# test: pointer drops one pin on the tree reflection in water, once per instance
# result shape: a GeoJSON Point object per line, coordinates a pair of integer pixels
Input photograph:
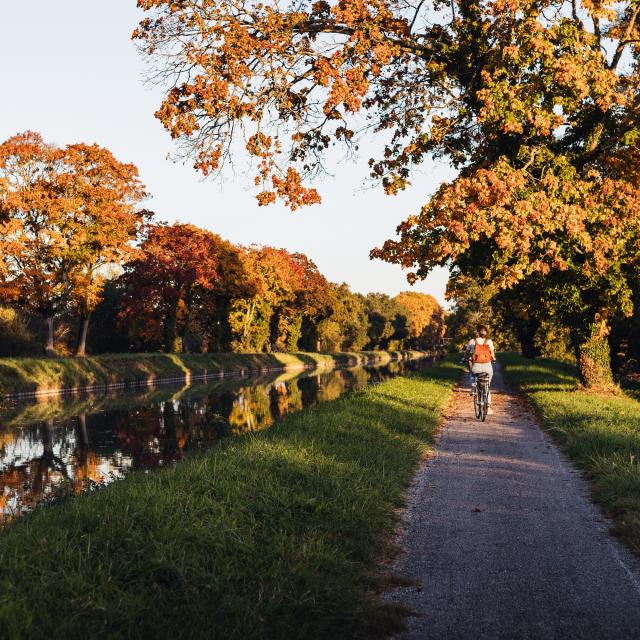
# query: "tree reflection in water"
{"type": "Point", "coordinates": [60, 447]}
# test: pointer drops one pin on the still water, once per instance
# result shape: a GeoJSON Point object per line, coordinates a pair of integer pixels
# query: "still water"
{"type": "Point", "coordinates": [63, 445]}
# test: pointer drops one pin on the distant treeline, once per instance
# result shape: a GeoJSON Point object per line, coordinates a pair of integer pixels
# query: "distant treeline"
{"type": "Point", "coordinates": [189, 290]}
{"type": "Point", "coordinates": [77, 250]}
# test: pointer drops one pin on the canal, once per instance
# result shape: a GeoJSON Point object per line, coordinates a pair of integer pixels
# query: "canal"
{"type": "Point", "coordinates": [61, 446]}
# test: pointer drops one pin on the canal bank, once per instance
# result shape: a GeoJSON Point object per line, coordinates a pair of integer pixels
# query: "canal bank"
{"type": "Point", "coordinates": [64, 445]}
{"type": "Point", "coordinates": [36, 377]}
{"type": "Point", "coordinates": [276, 534]}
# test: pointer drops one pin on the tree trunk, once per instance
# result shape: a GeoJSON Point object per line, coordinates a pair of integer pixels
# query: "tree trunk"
{"type": "Point", "coordinates": [83, 329]}
{"type": "Point", "coordinates": [526, 337]}
{"type": "Point", "coordinates": [184, 330]}
{"type": "Point", "coordinates": [248, 318]}
{"type": "Point", "coordinates": [47, 439]}
{"type": "Point", "coordinates": [170, 323]}
{"type": "Point", "coordinates": [82, 446]}
{"type": "Point", "coordinates": [593, 356]}
{"type": "Point", "coordinates": [49, 349]}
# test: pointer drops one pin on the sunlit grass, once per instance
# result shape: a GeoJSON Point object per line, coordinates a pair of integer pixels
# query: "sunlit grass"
{"type": "Point", "coordinates": [274, 535]}
{"type": "Point", "coordinates": [600, 433]}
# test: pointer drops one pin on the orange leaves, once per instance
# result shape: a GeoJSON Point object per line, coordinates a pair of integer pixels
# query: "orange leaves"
{"type": "Point", "coordinates": [292, 191]}
{"type": "Point", "coordinates": [66, 214]}
{"type": "Point", "coordinates": [265, 198]}
{"type": "Point", "coordinates": [476, 84]}
{"type": "Point", "coordinates": [260, 145]}
{"type": "Point", "coordinates": [516, 225]}
{"type": "Point", "coordinates": [287, 73]}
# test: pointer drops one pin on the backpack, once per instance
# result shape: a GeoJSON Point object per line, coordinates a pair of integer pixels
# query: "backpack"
{"type": "Point", "coordinates": [481, 352]}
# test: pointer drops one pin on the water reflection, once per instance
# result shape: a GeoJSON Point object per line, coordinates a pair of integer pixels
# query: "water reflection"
{"type": "Point", "coordinates": [61, 446]}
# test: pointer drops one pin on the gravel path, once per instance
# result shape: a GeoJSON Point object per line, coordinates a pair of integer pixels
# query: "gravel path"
{"type": "Point", "coordinates": [504, 542]}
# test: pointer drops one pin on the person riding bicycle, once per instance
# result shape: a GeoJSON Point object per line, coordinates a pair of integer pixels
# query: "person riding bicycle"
{"type": "Point", "coordinates": [481, 356]}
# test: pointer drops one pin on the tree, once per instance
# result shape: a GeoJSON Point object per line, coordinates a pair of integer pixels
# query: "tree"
{"type": "Point", "coordinates": [268, 319]}
{"type": "Point", "coordinates": [313, 300]}
{"type": "Point", "coordinates": [425, 317]}
{"type": "Point", "coordinates": [388, 322]}
{"type": "Point", "coordinates": [346, 328]}
{"type": "Point", "coordinates": [102, 197]}
{"type": "Point", "coordinates": [290, 296]}
{"type": "Point", "coordinates": [476, 302]}
{"type": "Point", "coordinates": [65, 215]}
{"type": "Point", "coordinates": [177, 264]}
{"type": "Point", "coordinates": [535, 103]}
{"type": "Point", "coordinates": [32, 218]}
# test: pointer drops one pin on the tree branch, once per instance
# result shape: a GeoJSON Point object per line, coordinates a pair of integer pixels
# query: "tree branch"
{"type": "Point", "coordinates": [625, 40]}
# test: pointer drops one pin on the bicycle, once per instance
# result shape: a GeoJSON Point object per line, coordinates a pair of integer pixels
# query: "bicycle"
{"type": "Point", "coordinates": [480, 392]}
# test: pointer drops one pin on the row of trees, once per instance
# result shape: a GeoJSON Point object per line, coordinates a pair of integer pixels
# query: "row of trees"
{"type": "Point", "coordinates": [75, 241]}
{"type": "Point", "coordinates": [190, 290]}
{"type": "Point", "coordinates": [535, 102]}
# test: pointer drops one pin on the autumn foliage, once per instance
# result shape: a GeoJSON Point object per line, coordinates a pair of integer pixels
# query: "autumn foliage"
{"type": "Point", "coordinates": [66, 215]}
{"type": "Point", "coordinates": [535, 103]}
{"type": "Point", "coordinates": [74, 242]}
{"type": "Point", "coordinates": [189, 290]}
{"type": "Point", "coordinates": [176, 265]}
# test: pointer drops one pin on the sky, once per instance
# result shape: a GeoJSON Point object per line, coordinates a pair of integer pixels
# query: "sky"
{"type": "Point", "coordinates": [71, 72]}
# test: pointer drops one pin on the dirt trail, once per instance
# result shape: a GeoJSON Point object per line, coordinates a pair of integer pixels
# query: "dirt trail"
{"type": "Point", "coordinates": [504, 541]}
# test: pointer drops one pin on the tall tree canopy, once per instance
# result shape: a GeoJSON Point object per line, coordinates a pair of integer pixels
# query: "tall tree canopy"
{"type": "Point", "coordinates": [65, 214]}
{"type": "Point", "coordinates": [103, 197]}
{"type": "Point", "coordinates": [425, 318]}
{"type": "Point", "coordinates": [32, 218]}
{"type": "Point", "coordinates": [536, 103]}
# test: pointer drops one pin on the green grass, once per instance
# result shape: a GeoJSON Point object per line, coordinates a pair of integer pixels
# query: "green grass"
{"type": "Point", "coordinates": [25, 375]}
{"type": "Point", "coordinates": [273, 535]}
{"type": "Point", "coordinates": [600, 433]}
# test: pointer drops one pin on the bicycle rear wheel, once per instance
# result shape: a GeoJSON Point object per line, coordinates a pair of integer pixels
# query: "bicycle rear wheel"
{"type": "Point", "coordinates": [484, 402]}
{"type": "Point", "coordinates": [476, 403]}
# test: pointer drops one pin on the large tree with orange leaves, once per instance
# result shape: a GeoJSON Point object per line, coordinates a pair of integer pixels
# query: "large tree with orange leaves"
{"type": "Point", "coordinates": [65, 215]}
{"type": "Point", "coordinates": [535, 102]}
{"type": "Point", "coordinates": [103, 195]}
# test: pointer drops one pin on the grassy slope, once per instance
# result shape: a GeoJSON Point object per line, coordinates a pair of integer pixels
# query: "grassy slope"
{"type": "Point", "coordinates": [273, 535]}
{"type": "Point", "coordinates": [601, 434]}
{"type": "Point", "coordinates": [19, 375]}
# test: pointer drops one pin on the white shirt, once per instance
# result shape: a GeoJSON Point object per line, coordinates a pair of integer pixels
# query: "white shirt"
{"type": "Point", "coordinates": [471, 346]}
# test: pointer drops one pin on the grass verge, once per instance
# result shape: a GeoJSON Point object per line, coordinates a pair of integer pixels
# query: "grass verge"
{"type": "Point", "coordinates": [600, 433]}
{"type": "Point", "coordinates": [273, 535]}
{"type": "Point", "coordinates": [42, 375]}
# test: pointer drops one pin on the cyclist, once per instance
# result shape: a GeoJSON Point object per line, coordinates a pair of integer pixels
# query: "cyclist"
{"type": "Point", "coordinates": [480, 355]}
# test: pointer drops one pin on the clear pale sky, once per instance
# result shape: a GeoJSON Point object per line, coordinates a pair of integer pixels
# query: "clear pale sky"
{"type": "Point", "coordinates": [71, 72]}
